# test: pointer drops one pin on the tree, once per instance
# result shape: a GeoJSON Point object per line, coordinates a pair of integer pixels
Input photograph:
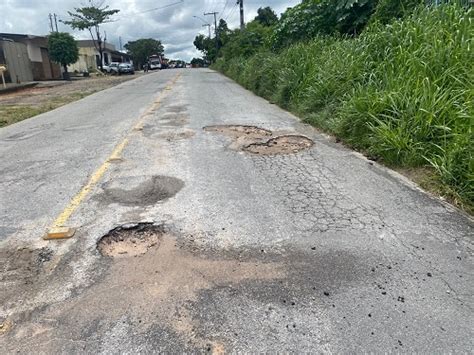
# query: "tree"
{"type": "Point", "coordinates": [210, 46]}
{"type": "Point", "coordinates": [90, 18]}
{"type": "Point", "coordinates": [198, 62]}
{"type": "Point", "coordinates": [222, 33]}
{"type": "Point", "coordinates": [266, 16]}
{"type": "Point", "coordinates": [389, 10]}
{"type": "Point", "coordinates": [207, 46]}
{"type": "Point", "coordinates": [323, 17]}
{"type": "Point", "coordinates": [142, 48]}
{"type": "Point", "coordinates": [63, 49]}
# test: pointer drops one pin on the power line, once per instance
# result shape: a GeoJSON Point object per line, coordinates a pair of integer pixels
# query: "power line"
{"type": "Point", "coordinates": [225, 7]}
{"type": "Point", "coordinates": [162, 7]}
{"type": "Point", "coordinates": [231, 12]}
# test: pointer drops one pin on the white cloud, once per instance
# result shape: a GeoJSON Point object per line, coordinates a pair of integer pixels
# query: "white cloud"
{"type": "Point", "coordinates": [175, 26]}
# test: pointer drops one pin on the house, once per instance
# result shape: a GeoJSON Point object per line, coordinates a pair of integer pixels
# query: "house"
{"type": "Point", "coordinates": [27, 58]}
{"type": "Point", "coordinates": [89, 57]}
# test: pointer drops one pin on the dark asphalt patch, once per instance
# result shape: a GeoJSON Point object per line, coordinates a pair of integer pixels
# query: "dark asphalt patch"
{"type": "Point", "coordinates": [133, 240]}
{"type": "Point", "coordinates": [286, 144]}
{"type": "Point", "coordinates": [157, 188]}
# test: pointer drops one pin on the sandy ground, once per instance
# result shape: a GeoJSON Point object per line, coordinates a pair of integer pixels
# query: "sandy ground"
{"type": "Point", "coordinates": [45, 92]}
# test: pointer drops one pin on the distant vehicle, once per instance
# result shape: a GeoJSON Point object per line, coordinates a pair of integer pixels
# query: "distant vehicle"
{"type": "Point", "coordinates": [157, 62]}
{"type": "Point", "coordinates": [112, 68]}
{"type": "Point", "coordinates": [126, 68]}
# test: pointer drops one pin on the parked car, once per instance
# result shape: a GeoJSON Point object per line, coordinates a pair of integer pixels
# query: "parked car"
{"type": "Point", "coordinates": [126, 68]}
{"type": "Point", "coordinates": [112, 68]}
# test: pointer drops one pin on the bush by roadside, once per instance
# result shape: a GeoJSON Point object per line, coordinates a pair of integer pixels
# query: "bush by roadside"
{"type": "Point", "coordinates": [401, 92]}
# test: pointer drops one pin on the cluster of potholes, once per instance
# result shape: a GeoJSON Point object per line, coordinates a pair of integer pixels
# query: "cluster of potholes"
{"type": "Point", "coordinates": [256, 140]}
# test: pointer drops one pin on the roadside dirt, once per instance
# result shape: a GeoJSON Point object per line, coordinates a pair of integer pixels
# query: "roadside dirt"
{"type": "Point", "coordinates": [47, 96]}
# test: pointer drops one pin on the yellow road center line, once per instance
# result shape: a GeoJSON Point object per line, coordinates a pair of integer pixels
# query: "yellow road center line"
{"type": "Point", "coordinates": [99, 173]}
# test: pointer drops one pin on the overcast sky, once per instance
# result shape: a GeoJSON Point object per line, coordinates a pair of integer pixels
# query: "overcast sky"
{"type": "Point", "coordinates": [175, 25]}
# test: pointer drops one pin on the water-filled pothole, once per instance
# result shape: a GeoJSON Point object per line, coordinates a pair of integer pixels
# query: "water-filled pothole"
{"type": "Point", "coordinates": [148, 192]}
{"type": "Point", "coordinates": [237, 131]}
{"type": "Point", "coordinates": [285, 144]}
{"type": "Point", "coordinates": [133, 240]}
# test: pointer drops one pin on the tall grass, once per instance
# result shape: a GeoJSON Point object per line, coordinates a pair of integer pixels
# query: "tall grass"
{"type": "Point", "coordinates": [403, 92]}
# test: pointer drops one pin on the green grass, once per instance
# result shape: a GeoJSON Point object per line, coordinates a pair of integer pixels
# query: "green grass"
{"type": "Point", "coordinates": [403, 92]}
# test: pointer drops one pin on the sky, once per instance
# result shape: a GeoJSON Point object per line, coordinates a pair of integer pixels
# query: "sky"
{"type": "Point", "coordinates": [174, 25]}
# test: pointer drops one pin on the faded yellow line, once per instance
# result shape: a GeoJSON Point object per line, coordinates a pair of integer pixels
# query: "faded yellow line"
{"type": "Point", "coordinates": [62, 219]}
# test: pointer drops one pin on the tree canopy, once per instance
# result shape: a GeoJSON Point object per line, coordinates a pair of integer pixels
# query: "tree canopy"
{"type": "Point", "coordinates": [142, 48]}
{"type": "Point", "coordinates": [62, 48]}
{"type": "Point", "coordinates": [90, 18]}
{"type": "Point", "coordinates": [266, 16]}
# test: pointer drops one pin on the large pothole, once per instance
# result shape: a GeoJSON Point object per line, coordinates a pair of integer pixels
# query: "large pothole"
{"type": "Point", "coordinates": [286, 144]}
{"type": "Point", "coordinates": [238, 131]}
{"type": "Point", "coordinates": [133, 240]}
{"type": "Point", "coordinates": [258, 140]}
{"type": "Point", "coordinates": [148, 192]}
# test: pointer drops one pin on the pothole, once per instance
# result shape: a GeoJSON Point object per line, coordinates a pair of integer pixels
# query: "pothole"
{"type": "Point", "coordinates": [238, 131]}
{"type": "Point", "coordinates": [146, 193]}
{"type": "Point", "coordinates": [132, 240]}
{"type": "Point", "coordinates": [286, 144]}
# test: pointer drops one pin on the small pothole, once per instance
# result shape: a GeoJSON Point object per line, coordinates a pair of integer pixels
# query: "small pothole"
{"type": "Point", "coordinates": [131, 240]}
{"type": "Point", "coordinates": [237, 131]}
{"type": "Point", "coordinates": [285, 144]}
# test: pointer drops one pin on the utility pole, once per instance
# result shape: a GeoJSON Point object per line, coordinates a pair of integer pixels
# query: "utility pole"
{"type": "Point", "coordinates": [51, 22]}
{"type": "Point", "coordinates": [209, 27]}
{"type": "Point", "coordinates": [215, 28]}
{"type": "Point", "coordinates": [242, 20]}
{"type": "Point", "coordinates": [120, 42]}
{"type": "Point", "coordinates": [56, 22]}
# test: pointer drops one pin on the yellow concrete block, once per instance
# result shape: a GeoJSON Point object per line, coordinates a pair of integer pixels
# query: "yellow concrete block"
{"type": "Point", "coordinates": [59, 233]}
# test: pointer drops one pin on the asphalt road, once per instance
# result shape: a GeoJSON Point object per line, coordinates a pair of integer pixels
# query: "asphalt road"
{"type": "Point", "coordinates": [314, 250]}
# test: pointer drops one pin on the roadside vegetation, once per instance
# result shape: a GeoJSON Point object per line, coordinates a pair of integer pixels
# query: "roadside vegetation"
{"type": "Point", "coordinates": [391, 78]}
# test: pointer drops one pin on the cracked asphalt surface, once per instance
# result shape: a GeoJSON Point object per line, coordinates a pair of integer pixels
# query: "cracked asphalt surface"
{"type": "Point", "coordinates": [315, 251]}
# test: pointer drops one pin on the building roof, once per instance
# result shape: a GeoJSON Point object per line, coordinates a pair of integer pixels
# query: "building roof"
{"type": "Point", "coordinates": [41, 41]}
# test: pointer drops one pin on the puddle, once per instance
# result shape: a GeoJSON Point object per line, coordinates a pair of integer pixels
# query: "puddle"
{"type": "Point", "coordinates": [286, 144]}
{"type": "Point", "coordinates": [148, 192]}
{"type": "Point", "coordinates": [127, 241]}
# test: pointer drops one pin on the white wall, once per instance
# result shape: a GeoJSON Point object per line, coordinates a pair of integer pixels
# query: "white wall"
{"type": "Point", "coordinates": [34, 52]}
